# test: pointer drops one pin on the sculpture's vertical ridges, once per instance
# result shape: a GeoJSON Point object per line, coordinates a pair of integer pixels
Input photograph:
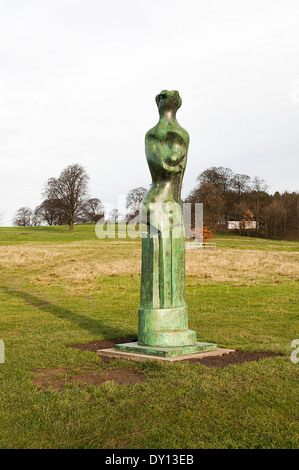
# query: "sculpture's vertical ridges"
{"type": "Point", "coordinates": [155, 257]}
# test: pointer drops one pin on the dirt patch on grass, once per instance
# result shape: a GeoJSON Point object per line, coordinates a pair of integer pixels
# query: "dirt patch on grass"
{"type": "Point", "coordinates": [61, 379]}
{"type": "Point", "coordinates": [235, 357]}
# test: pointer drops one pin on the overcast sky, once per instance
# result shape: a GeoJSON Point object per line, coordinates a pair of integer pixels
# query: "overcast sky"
{"type": "Point", "coordinates": [78, 81]}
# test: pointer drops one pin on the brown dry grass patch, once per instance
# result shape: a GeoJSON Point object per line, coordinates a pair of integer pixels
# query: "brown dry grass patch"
{"type": "Point", "coordinates": [246, 265]}
{"type": "Point", "coordinates": [80, 264]}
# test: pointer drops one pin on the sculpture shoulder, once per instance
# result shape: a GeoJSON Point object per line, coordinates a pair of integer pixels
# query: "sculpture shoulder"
{"type": "Point", "coordinates": [151, 133]}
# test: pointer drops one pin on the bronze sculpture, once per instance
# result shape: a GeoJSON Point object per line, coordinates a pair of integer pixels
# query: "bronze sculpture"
{"type": "Point", "coordinates": [163, 314]}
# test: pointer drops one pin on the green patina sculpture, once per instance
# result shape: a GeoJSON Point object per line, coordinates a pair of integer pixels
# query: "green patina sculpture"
{"type": "Point", "coordinates": [163, 314]}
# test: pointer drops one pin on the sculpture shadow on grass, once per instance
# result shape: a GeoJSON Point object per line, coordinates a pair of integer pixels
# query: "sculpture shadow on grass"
{"type": "Point", "coordinates": [94, 326]}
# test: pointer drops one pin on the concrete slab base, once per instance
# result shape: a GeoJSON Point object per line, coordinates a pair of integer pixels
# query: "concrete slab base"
{"type": "Point", "coordinates": [164, 351]}
{"type": "Point", "coordinates": [114, 354]}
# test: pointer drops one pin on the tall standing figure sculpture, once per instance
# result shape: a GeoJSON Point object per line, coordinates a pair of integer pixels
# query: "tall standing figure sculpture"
{"type": "Point", "coordinates": [163, 314]}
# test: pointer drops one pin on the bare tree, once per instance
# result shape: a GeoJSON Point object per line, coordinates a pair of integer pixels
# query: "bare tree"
{"type": "Point", "coordinates": [240, 183]}
{"type": "Point", "coordinates": [92, 210]}
{"type": "Point", "coordinates": [259, 188]}
{"type": "Point", "coordinates": [133, 200]}
{"type": "Point", "coordinates": [114, 215]}
{"type": "Point", "coordinates": [291, 204]}
{"type": "Point", "coordinates": [23, 217]}
{"type": "Point", "coordinates": [213, 203]}
{"type": "Point", "coordinates": [276, 216]}
{"type": "Point", "coordinates": [222, 178]}
{"type": "Point", "coordinates": [49, 211]}
{"type": "Point", "coordinates": [70, 188]}
{"type": "Point", "coordinates": [239, 209]}
{"type": "Point", "coordinates": [37, 218]}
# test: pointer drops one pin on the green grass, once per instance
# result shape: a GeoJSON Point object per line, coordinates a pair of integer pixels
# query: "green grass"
{"type": "Point", "coordinates": [230, 240]}
{"type": "Point", "coordinates": [251, 405]}
{"type": "Point", "coordinates": [47, 234]}
{"type": "Point", "coordinates": [86, 232]}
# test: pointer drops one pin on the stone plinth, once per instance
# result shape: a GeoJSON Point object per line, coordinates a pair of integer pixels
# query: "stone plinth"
{"type": "Point", "coordinates": [113, 353]}
{"type": "Point", "coordinates": [163, 351]}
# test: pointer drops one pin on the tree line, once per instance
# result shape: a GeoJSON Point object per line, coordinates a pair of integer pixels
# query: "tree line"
{"type": "Point", "coordinates": [225, 196]}
{"type": "Point", "coordinates": [66, 202]}
{"type": "Point", "coordinates": [231, 196]}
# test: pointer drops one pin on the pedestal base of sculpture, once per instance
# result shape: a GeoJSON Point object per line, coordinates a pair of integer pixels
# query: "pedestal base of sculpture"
{"type": "Point", "coordinates": [165, 327]}
{"type": "Point", "coordinates": [165, 351]}
{"type": "Point", "coordinates": [112, 353]}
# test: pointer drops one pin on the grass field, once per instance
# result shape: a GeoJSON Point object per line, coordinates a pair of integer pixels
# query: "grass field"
{"type": "Point", "coordinates": [59, 287]}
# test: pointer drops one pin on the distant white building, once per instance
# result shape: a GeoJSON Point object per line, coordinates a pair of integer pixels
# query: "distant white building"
{"type": "Point", "coordinates": [246, 225]}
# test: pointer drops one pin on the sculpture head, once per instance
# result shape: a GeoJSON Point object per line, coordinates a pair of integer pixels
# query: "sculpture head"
{"type": "Point", "coordinates": [168, 101]}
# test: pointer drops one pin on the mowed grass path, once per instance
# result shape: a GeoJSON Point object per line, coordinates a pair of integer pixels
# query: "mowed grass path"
{"type": "Point", "coordinates": [59, 288]}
